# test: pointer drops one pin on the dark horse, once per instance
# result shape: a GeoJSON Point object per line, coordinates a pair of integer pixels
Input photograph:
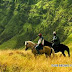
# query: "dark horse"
{"type": "Point", "coordinates": [59, 48]}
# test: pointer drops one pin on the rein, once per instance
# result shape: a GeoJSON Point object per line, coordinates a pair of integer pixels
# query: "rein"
{"type": "Point", "coordinates": [33, 47]}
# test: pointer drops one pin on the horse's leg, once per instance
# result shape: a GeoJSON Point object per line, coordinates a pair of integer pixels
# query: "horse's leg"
{"type": "Point", "coordinates": [63, 53]}
{"type": "Point", "coordinates": [35, 56]}
{"type": "Point", "coordinates": [60, 55]}
{"type": "Point", "coordinates": [68, 52]}
{"type": "Point", "coordinates": [46, 55]}
{"type": "Point", "coordinates": [52, 50]}
{"type": "Point", "coordinates": [50, 56]}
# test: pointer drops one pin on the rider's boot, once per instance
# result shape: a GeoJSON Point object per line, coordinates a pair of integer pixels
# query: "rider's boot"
{"type": "Point", "coordinates": [38, 52]}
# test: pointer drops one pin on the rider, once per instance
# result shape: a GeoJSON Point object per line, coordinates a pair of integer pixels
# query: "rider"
{"type": "Point", "coordinates": [40, 43]}
{"type": "Point", "coordinates": [56, 40]}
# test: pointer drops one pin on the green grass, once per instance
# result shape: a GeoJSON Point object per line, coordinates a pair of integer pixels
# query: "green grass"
{"type": "Point", "coordinates": [68, 42]}
{"type": "Point", "coordinates": [69, 39]}
{"type": "Point", "coordinates": [10, 44]}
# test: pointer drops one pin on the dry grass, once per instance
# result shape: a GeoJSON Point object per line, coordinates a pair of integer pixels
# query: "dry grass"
{"type": "Point", "coordinates": [24, 61]}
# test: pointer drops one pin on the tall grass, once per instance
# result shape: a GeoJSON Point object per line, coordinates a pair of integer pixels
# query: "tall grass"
{"type": "Point", "coordinates": [24, 61]}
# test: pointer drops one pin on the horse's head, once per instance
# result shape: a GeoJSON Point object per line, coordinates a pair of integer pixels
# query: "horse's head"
{"type": "Point", "coordinates": [28, 44]}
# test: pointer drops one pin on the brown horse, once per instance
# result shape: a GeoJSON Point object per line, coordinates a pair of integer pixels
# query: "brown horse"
{"type": "Point", "coordinates": [46, 49]}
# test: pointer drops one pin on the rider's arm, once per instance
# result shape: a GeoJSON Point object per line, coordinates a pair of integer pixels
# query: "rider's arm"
{"type": "Point", "coordinates": [39, 41]}
{"type": "Point", "coordinates": [54, 38]}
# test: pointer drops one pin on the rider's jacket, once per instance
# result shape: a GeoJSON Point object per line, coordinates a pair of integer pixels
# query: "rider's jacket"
{"type": "Point", "coordinates": [41, 41]}
{"type": "Point", "coordinates": [56, 40]}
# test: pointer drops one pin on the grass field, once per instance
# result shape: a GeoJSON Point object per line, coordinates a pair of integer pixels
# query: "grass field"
{"type": "Point", "coordinates": [24, 61]}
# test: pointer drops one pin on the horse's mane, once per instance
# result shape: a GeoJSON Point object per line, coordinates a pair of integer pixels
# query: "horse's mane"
{"type": "Point", "coordinates": [46, 43]}
{"type": "Point", "coordinates": [29, 42]}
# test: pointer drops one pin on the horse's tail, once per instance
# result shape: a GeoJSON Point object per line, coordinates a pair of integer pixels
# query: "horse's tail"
{"type": "Point", "coordinates": [68, 51]}
{"type": "Point", "coordinates": [53, 52]}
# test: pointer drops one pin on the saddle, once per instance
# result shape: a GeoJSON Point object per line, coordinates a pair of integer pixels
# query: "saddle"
{"type": "Point", "coordinates": [40, 47]}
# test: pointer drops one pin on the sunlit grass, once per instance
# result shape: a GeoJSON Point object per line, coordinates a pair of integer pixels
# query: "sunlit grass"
{"type": "Point", "coordinates": [24, 61]}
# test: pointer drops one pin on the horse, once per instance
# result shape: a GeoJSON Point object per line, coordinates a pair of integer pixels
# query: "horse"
{"type": "Point", "coordinates": [46, 49]}
{"type": "Point", "coordinates": [59, 48]}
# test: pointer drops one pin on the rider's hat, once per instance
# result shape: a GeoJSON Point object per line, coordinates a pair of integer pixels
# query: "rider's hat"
{"type": "Point", "coordinates": [54, 32]}
{"type": "Point", "coordinates": [40, 34]}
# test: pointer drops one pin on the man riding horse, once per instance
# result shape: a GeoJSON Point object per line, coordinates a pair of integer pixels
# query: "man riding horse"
{"type": "Point", "coordinates": [40, 43]}
{"type": "Point", "coordinates": [55, 41]}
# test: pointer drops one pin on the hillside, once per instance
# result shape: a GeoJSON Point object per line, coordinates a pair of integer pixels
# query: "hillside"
{"type": "Point", "coordinates": [22, 20]}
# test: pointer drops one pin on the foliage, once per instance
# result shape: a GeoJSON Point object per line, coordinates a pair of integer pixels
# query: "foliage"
{"type": "Point", "coordinates": [22, 20]}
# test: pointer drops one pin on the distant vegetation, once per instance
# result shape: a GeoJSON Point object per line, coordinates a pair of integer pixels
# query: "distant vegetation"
{"type": "Point", "coordinates": [22, 20]}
